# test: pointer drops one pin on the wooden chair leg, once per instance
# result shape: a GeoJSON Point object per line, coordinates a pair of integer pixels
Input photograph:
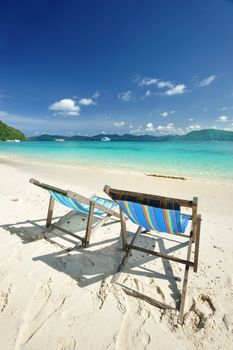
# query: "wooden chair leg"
{"type": "Point", "coordinates": [197, 243]}
{"type": "Point", "coordinates": [89, 224]}
{"type": "Point", "coordinates": [194, 218]}
{"type": "Point", "coordinates": [185, 284]}
{"type": "Point", "coordinates": [123, 230]}
{"type": "Point", "coordinates": [126, 257]}
{"type": "Point", "coordinates": [50, 212]}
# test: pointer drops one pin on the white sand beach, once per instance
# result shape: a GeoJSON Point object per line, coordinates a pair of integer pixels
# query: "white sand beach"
{"type": "Point", "coordinates": [54, 299]}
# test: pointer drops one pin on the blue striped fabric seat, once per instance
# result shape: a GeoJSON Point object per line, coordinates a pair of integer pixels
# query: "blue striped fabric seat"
{"type": "Point", "coordinates": [184, 219]}
{"type": "Point", "coordinates": [81, 207]}
{"type": "Point", "coordinates": [153, 218]}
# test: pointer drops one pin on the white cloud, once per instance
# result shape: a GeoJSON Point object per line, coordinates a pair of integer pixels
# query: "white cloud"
{"type": "Point", "coordinates": [126, 96]}
{"type": "Point", "coordinates": [66, 106]}
{"type": "Point", "coordinates": [207, 81]}
{"type": "Point", "coordinates": [148, 93]}
{"type": "Point", "coordinates": [194, 127]}
{"type": "Point", "coordinates": [223, 118]}
{"type": "Point", "coordinates": [148, 81]}
{"type": "Point", "coordinates": [166, 114]}
{"type": "Point", "coordinates": [161, 84]}
{"type": "Point", "coordinates": [161, 129]}
{"type": "Point", "coordinates": [87, 101]}
{"type": "Point", "coordinates": [137, 130]}
{"type": "Point", "coordinates": [119, 124]}
{"type": "Point", "coordinates": [149, 127]}
{"type": "Point", "coordinates": [169, 126]}
{"type": "Point", "coordinates": [173, 89]}
{"type": "Point", "coordinates": [176, 90]}
{"type": "Point", "coordinates": [227, 108]}
{"type": "Point", "coordinates": [191, 119]}
{"type": "Point", "coordinates": [96, 94]}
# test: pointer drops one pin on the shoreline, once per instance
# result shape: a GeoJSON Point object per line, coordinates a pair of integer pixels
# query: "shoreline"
{"type": "Point", "coordinates": [29, 162]}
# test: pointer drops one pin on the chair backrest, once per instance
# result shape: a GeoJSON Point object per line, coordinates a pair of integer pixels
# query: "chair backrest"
{"type": "Point", "coordinates": [78, 202]}
{"type": "Point", "coordinates": [152, 212]}
{"type": "Point", "coordinates": [79, 206]}
{"type": "Point", "coordinates": [67, 201]}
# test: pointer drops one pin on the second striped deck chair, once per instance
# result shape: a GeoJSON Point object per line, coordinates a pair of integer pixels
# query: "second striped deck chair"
{"type": "Point", "coordinates": [160, 214]}
{"type": "Point", "coordinates": [95, 206]}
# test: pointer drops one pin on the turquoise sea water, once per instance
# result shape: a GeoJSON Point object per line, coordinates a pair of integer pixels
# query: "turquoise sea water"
{"type": "Point", "coordinates": [205, 160]}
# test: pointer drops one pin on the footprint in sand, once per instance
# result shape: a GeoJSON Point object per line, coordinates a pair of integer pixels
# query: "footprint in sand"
{"type": "Point", "coordinates": [4, 298]}
{"type": "Point", "coordinates": [132, 334]}
{"type": "Point", "coordinates": [157, 290]}
{"type": "Point", "coordinates": [120, 297]}
{"type": "Point", "coordinates": [145, 339]}
{"type": "Point", "coordinates": [228, 321]}
{"type": "Point", "coordinates": [151, 289]}
{"type": "Point", "coordinates": [67, 344]}
{"type": "Point", "coordinates": [201, 310]}
{"type": "Point", "coordinates": [103, 292]}
{"type": "Point", "coordinates": [39, 299]}
{"type": "Point", "coordinates": [204, 305]}
{"type": "Point", "coordinates": [139, 342]}
{"type": "Point", "coordinates": [38, 311]}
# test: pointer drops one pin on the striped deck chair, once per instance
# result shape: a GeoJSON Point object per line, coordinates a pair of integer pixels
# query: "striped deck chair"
{"type": "Point", "coordinates": [98, 207]}
{"type": "Point", "coordinates": [160, 214]}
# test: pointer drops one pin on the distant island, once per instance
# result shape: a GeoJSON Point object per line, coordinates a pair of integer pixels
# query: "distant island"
{"type": "Point", "coordinates": [199, 135]}
{"type": "Point", "coordinates": [9, 133]}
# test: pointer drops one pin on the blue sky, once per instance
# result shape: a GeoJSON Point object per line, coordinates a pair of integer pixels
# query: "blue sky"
{"type": "Point", "coordinates": [132, 66]}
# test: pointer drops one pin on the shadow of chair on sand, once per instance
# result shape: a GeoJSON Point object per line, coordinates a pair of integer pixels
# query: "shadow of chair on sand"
{"type": "Point", "coordinates": [28, 230]}
{"type": "Point", "coordinates": [101, 259]}
{"type": "Point", "coordinates": [32, 230]}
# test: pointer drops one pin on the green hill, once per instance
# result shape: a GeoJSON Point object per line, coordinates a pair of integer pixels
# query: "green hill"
{"type": "Point", "coordinates": [207, 135]}
{"type": "Point", "coordinates": [198, 135]}
{"type": "Point", "coordinates": [9, 133]}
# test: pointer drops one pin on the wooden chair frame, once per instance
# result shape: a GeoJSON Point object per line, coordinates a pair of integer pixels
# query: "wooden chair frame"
{"type": "Point", "coordinates": [92, 205]}
{"type": "Point", "coordinates": [194, 238]}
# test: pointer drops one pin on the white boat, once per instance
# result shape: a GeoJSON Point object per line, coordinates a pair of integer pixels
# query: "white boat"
{"type": "Point", "coordinates": [105, 139]}
{"type": "Point", "coordinates": [16, 140]}
{"type": "Point", "coordinates": [59, 140]}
